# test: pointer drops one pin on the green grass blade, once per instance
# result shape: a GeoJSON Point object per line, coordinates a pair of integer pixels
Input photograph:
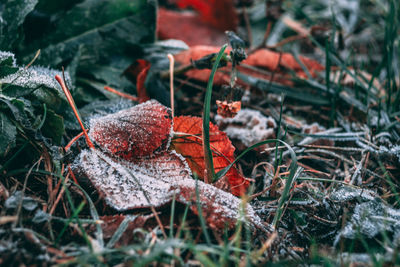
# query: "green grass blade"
{"type": "Point", "coordinates": [222, 172]}
{"type": "Point", "coordinates": [121, 229]}
{"type": "Point", "coordinates": [208, 158]}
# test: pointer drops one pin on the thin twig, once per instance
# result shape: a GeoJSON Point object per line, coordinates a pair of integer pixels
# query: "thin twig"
{"type": "Point", "coordinates": [171, 82]}
{"type": "Point", "coordinates": [124, 95]}
{"type": "Point", "coordinates": [74, 109]}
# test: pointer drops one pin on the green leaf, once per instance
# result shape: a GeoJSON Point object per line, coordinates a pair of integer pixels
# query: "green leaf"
{"type": "Point", "coordinates": [8, 132]}
{"type": "Point", "coordinates": [12, 16]}
{"type": "Point", "coordinates": [53, 126]}
{"type": "Point", "coordinates": [112, 27]}
{"type": "Point", "coordinates": [7, 64]}
{"type": "Point", "coordinates": [18, 109]}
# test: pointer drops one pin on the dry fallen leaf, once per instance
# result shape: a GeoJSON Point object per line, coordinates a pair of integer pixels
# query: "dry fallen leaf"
{"type": "Point", "coordinates": [142, 130]}
{"type": "Point", "coordinates": [192, 149]}
{"type": "Point", "coordinates": [138, 172]}
{"type": "Point", "coordinates": [187, 27]}
{"type": "Point", "coordinates": [264, 59]}
{"type": "Point", "coordinates": [219, 14]}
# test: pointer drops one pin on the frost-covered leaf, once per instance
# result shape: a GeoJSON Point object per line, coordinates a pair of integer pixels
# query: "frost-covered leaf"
{"type": "Point", "coordinates": [124, 185]}
{"type": "Point", "coordinates": [15, 199]}
{"type": "Point", "coordinates": [8, 133]}
{"type": "Point", "coordinates": [12, 15]}
{"type": "Point", "coordinates": [219, 208]}
{"type": "Point", "coordinates": [191, 148]}
{"type": "Point", "coordinates": [142, 130]}
{"type": "Point", "coordinates": [154, 182]}
{"type": "Point", "coordinates": [25, 81]}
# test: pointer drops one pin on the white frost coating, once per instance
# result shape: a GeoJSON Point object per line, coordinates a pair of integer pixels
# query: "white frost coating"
{"type": "Point", "coordinates": [4, 55]}
{"type": "Point", "coordinates": [137, 125]}
{"type": "Point", "coordinates": [370, 219]}
{"type": "Point", "coordinates": [347, 193]}
{"type": "Point", "coordinates": [394, 150]}
{"type": "Point", "coordinates": [249, 126]}
{"type": "Point", "coordinates": [34, 77]}
{"type": "Point", "coordinates": [117, 183]}
{"type": "Point", "coordinates": [125, 185]}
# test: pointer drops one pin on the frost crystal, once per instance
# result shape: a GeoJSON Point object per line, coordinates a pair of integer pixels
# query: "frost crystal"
{"type": "Point", "coordinates": [347, 193]}
{"type": "Point", "coordinates": [249, 126]}
{"type": "Point", "coordinates": [34, 77]}
{"type": "Point", "coordinates": [127, 186]}
{"type": "Point", "coordinates": [154, 182]}
{"type": "Point", "coordinates": [370, 219]}
{"type": "Point", "coordinates": [6, 55]}
{"type": "Point", "coordinates": [143, 130]}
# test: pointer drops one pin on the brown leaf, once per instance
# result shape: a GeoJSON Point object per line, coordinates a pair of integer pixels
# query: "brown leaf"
{"type": "Point", "coordinates": [191, 147]}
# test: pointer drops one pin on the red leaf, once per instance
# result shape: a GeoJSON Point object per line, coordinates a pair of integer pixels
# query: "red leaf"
{"type": "Point", "coordinates": [187, 27]}
{"type": "Point", "coordinates": [271, 60]}
{"type": "Point", "coordinates": [137, 72]}
{"type": "Point", "coordinates": [220, 14]}
{"type": "Point", "coordinates": [262, 58]}
{"type": "Point", "coordinates": [191, 148]}
{"type": "Point", "coordinates": [142, 130]}
{"type": "Point", "coordinates": [140, 88]}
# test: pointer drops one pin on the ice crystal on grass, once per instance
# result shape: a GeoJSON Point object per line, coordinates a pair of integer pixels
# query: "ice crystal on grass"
{"type": "Point", "coordinates": [370, 219]}
{"type": "Point", "coordinates": [249, 126]}
{"type": "Point", "coordinates": [347, 193]}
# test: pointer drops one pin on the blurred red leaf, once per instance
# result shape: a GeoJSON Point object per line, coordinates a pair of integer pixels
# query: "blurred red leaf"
{"type": "Point", "coordinates": [265, 58]}
{"type": "Point", "coordinates": [187, 27]}
{"type": "Point", "coordinates": [220, 14]}
{"type": "Point", "coordinates": [262, 58]}
{"type": "Point", "coordinates": [137, 73]}
{"type": "Point", "coordinates": [191, 147]}
{"type": "Point", "coordinates": [142, 130]}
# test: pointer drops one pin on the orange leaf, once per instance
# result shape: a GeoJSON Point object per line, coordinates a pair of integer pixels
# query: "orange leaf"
{"type": "Point", "coordinates": [262, 58]}
{"type": "Point", "coordinates": [191, 147]}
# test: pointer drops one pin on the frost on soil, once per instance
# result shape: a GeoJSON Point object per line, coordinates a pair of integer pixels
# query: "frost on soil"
{"type": "Point", "coordinates": [249, 126]}
{"type": "Point", "coordinates": [371, 217]}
